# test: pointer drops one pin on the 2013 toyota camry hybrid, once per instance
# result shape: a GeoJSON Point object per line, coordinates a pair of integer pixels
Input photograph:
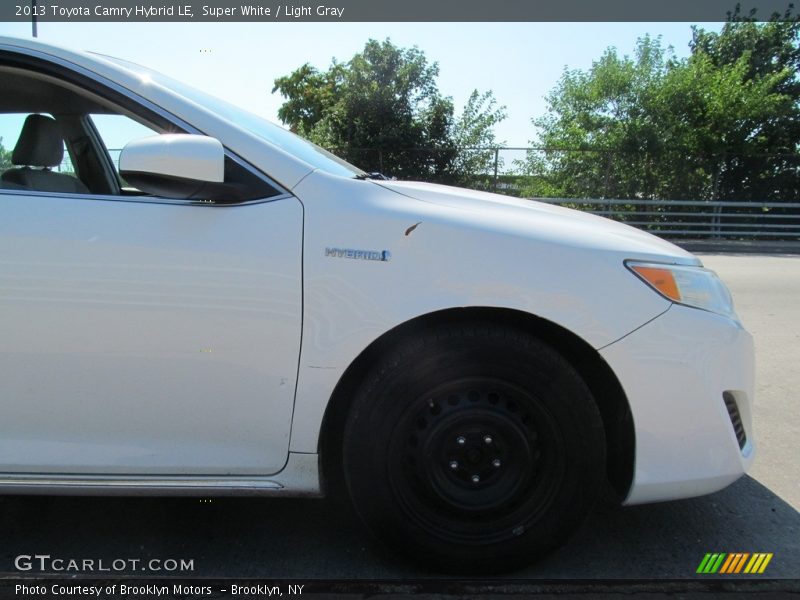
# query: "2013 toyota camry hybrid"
{"type": "Point", "coordinates": [225, 308]}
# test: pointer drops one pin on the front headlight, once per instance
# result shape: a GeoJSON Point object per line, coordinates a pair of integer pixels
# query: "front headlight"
{"type": "Point", "coordinates": [693, 286]}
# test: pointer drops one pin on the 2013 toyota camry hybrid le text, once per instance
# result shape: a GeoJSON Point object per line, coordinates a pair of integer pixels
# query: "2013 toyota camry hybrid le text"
{"type": "Point", "coordinates": [225, 308]}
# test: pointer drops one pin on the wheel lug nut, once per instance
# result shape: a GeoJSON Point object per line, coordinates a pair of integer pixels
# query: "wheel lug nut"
{"type": "Point", "coordinates": [487, 439]}
{"type": "Point", "coordinates": [496, 462]}
{"type": "Point", "coordinates": [461, 440]}
{"type": "Point", "coordinates": [476, 478]}
{"type": "Point", "coordinates": [453, 464]}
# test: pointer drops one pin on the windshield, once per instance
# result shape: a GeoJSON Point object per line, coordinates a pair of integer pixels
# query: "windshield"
{"type": "Point", "coordinates": [286, 140]}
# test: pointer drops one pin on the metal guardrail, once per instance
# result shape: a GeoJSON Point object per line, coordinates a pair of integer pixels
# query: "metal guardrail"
{"type": "Point", "coordinates": [697, 218]}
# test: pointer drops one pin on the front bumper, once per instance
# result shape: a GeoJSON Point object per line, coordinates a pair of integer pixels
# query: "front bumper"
{"type": "Point", "coordinates": [675, 370]}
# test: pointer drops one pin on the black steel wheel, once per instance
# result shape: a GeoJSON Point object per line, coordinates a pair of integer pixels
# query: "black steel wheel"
{"type": "Point", "coordinates": [473, 449]}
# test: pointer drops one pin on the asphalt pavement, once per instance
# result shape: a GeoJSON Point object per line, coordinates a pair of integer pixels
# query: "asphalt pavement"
{"type": "Point", "coordinates": [305, 539]}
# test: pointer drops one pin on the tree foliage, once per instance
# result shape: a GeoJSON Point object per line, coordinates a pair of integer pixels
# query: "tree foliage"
{"type": "Point", "coordinates": [473, 135]}
{"type": "Point", "coordinates": [382, 110]}
{"type": "Point", "coordinates": [722, 123]}
{"type": "Point", "coordinates": [5, 157]}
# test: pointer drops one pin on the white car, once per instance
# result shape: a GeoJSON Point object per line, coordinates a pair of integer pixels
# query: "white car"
{"type": "Point", "coordinates": [233, 310]}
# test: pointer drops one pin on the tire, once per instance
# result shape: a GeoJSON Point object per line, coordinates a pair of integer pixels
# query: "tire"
{"type": "Point", "coordinates": [473, 449]}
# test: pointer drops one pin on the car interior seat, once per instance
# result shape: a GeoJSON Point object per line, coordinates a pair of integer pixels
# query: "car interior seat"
{"type": "Point", "coordinates": [40, 147]}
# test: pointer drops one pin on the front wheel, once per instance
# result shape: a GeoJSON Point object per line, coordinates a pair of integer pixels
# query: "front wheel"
{"type": "Point", "coordinates": [474, 448]}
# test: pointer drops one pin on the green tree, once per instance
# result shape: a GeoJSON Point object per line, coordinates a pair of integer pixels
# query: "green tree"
{"type": "Point", "coordinates": [382, 110]}
{"type": "Point", "coordinates": [308, 94]}
{"type": "Point", "coordinates": [718, 122]}
{"type": "Point", "coordinates": [760, 159]}
{"type": "Point", "coordinates": [600, 130]}
{"type": "Point", "coordinates": [722, 123]}
{"type": "Point", "coordinates": [474, 136]}
{"type": "Point", "coordinates": [5, 157]}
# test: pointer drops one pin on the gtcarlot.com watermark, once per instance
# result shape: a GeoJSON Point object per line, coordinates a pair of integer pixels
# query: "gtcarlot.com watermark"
{"type": "Point", "coordinates": [45, 563]}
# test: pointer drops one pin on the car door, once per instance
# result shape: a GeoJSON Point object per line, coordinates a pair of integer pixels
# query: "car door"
{"type": "Point", "coordinates": [142, 335]}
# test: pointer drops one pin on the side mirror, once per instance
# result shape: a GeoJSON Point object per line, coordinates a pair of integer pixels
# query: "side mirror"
{"type": "Point", "coordinates": [176, 165]}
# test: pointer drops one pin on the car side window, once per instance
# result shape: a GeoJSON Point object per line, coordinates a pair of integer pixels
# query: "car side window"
{"type": "Point", "coordinates": [115, 131]}
{"type": "Point", "coordinates": [58, 137]}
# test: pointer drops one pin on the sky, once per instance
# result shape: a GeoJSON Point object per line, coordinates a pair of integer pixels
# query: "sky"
{"type": "Point", "coordinates": [519, 62]}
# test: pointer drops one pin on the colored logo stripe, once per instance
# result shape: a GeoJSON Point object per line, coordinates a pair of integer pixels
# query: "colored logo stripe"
{"type": "Point", "coordinates": [758, 563]}
{"type": "Point", "coordinates": [724, 563]}
{"type": "Point", "coordinates": [711, 563]}
{"type": "Point", "coordinates": [735, 562]}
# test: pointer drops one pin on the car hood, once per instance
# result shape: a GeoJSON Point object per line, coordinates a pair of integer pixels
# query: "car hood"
{"type": "Point", "coordinates": [546, 221]}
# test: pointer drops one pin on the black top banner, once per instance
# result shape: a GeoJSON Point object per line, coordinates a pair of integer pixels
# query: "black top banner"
{"type": "Point", "coordinates": [390, 10]}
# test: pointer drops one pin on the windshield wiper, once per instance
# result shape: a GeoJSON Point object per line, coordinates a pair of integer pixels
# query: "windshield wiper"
{"type": "Point", "coordinates": [373, 175]}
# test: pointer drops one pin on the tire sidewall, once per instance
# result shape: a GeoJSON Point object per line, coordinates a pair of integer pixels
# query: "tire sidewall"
{"type": "Point", "coordinates": [418, 366]}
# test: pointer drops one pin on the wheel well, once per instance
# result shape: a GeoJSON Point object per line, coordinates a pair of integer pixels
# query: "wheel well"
{"type": "Point", "coordinates": [606, 389]}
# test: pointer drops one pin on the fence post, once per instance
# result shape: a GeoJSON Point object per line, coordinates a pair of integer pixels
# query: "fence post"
{"type": "Point", "coordinates": [496, 162]}
{"type": "Point", "coordinates": [605, 180]}
{"type": "Point", "coordinates": [716, 225]}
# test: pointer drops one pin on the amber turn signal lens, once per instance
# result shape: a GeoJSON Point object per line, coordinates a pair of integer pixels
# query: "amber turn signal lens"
{"type": "Point", "coordinates": [661, 279]}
